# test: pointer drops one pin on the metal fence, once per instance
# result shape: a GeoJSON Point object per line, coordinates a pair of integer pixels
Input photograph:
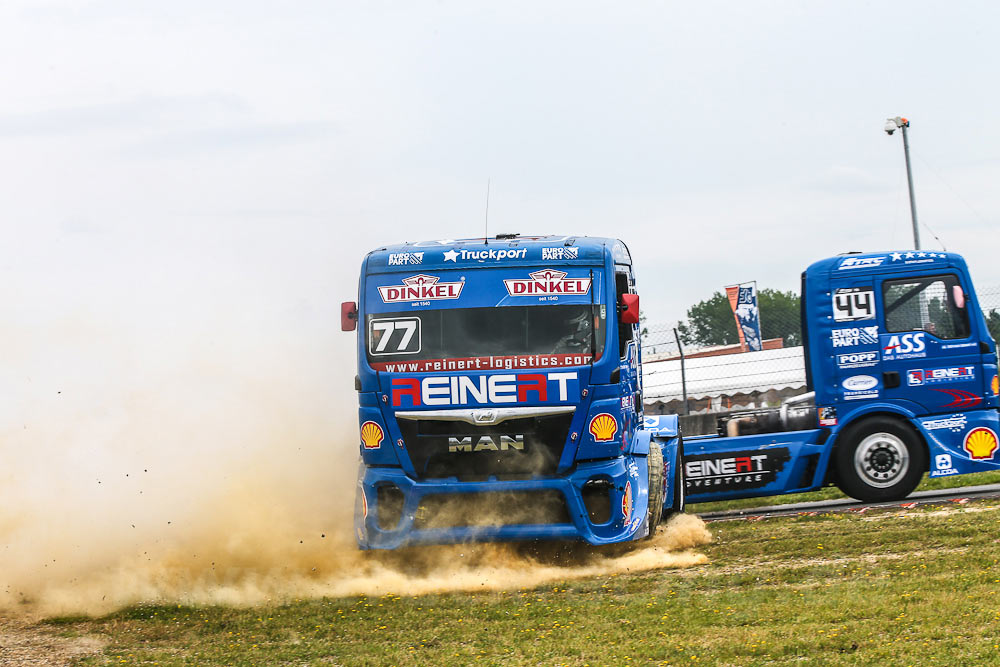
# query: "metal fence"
{"type": "Point", "coordinates": [722, 378]}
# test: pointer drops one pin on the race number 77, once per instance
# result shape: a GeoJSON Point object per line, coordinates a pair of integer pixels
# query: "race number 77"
{"type": "Point", "coordinates": [395, 336]}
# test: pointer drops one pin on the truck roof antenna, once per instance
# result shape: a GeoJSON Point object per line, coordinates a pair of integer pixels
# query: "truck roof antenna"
{"type": "Point", "coordinates": [486, 228]}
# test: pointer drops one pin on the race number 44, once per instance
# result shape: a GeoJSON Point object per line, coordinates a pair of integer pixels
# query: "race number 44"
{"type": "Point", "coordinates": [853, 303]}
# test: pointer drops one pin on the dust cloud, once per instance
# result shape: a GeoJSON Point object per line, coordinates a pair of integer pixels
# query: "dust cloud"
{"type": "Point", "coordinates": [215, 464]}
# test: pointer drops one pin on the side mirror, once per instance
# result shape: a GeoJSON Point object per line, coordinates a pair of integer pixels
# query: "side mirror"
{"type": "Point", "coordinates": [348, 316]}
{"type": "Point", "coordinates": [628, 309]}
{"type": "Point", "coordinates": [958, 296]}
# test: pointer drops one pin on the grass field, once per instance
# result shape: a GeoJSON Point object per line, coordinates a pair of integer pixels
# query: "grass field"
{"type": "Point", "coordinates": [889, 588]}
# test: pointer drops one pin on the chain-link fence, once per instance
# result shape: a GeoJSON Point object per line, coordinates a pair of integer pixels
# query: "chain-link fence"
{"type": "Point", "coordinates": [687, 377]}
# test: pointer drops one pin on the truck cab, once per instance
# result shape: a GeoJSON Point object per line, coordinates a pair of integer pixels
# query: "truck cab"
{"type": "Point", "coordinates": [499, 388]}
{"type": "Point", "coordinates": [902, 379]}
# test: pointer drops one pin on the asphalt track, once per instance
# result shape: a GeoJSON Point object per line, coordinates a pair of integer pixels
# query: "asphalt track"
{"type": "Point", "coordinates": [961, 495]}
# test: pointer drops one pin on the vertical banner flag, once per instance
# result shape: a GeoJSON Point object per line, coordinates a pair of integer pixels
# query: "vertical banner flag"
{"type": "Point", "coordinates": [743, 301]}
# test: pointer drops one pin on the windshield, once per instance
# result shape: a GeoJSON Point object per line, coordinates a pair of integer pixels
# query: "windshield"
{"type": "Point", "coordinates": [485, 338]}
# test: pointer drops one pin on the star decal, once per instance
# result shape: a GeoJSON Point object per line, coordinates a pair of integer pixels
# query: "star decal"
{"type": "Point", "coordinates": [909, 255]}
{"type": "Point", "coordinates": [896, 256]}
{"type": "Point", "coordinates": [921, 254]}
{"type": "Point", "coordinates": [451, 256]}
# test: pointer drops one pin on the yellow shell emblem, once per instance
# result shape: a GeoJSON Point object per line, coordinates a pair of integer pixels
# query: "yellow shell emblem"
{"type": "Point", "coordinates": [981, 443]}
{"type": "Point", "coordinates": [371, 435]}
{"type": "Point", "coordinates": [603, 427]}
{"type": "Point", "coordinates": [995, 385]}
{"type": "Point", "coordinates": [627, 501]}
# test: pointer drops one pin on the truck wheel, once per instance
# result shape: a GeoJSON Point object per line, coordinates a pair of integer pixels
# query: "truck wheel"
{"type": "Point", "coordinates": [654, 512]}
{"type": "Point", "coordinates": [879, 459]}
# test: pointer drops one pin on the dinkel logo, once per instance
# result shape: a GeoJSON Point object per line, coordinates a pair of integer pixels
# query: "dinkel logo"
{"type": "Point", "coordinates": [547, 281]}
{"type": "Point", "coordinates": [420, 288]}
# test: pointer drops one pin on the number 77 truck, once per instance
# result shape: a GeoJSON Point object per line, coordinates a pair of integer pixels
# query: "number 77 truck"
{"type": "Point", "coordinates": [499, 392]}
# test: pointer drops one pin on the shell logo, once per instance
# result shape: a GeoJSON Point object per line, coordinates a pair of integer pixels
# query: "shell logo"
{"type": "Point", "coordinates": [995, 385]}
{"type": "Point", "coordinates": [627, 502]}
{"type": "Point", "coordinates": [981, 443]}
{"type": "Point", "coordinates": [371, 435]}
{"type": "Point", "coordinates": [603, 427]}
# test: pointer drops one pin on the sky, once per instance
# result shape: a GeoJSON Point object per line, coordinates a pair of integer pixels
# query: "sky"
{"type": "Point", "coordinates": [156, 152]}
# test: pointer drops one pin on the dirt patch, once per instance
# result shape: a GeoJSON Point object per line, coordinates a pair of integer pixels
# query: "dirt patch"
{"type": "Point", "coordinates": [26, 643]}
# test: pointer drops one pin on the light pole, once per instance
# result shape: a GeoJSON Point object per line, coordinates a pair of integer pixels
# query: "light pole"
{"type": "Point", "coordinates": [891, 124]}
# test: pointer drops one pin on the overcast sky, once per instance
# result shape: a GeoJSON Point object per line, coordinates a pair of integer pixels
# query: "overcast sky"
{"type": "Point", "coordinates": [163, 162]}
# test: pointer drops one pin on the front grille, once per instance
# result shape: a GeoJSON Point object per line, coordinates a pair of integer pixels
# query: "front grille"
{"type": "Point", "coordinates": [513, 449]}
{"type": "Point", "coordinates": [505, 508]}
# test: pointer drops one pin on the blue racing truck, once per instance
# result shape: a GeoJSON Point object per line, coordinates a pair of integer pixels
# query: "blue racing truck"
{"type": "Point", "coordinates": [901, 373]}
{"type": "Point", "coordinates": [500, 392]}
{"type": "Point", "coordinates": [499, 385]}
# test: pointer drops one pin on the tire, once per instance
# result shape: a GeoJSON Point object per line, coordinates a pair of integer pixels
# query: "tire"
{"type": "Point", "coordinates": [879, 459]}
{"type": "Point", "coordinates": [654, 512]}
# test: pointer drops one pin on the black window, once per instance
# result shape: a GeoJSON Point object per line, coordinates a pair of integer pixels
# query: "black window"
{"type": "Point", "coordinates": [925, 304]}
{"type": "Point", "coordinates": [625, 333]}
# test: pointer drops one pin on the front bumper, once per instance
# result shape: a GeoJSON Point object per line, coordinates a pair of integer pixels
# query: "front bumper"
{"type": "Point", "coordinates": [626, 477]}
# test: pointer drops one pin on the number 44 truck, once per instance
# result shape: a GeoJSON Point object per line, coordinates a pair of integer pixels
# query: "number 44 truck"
{"type": "Point", "coordinates": [500, 393]}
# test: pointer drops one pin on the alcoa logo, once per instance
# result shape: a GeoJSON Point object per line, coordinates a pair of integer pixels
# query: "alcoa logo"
{"type": "Point", "coordinates": [603, 427]}
{"type": "Point", "coordinates": [371, 435]}
{"type": "Point", "coordinates": [420, 288]}
{"type": "Point", "coordinates": [981, 443]}
{"type": "Point", "coordinates": [547, 281]}
{"type": "Point", "coordinates": [627, 501]}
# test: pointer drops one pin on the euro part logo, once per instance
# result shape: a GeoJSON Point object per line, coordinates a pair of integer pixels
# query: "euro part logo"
{"type": "Point", "coordinates": [371, 435]}
{"type": "Point", "coordinates": [560, 253]}
{"type": "Point", "coordinates": [854, 336]}
{"type": "Point", "coordinates": [904, 346]}
{"type": "Point", "coordinates": [603, 427]}
{"type": "Point", "coordinates": [627, 502]}
{"type": "Point", "coordinates": [404, 258]}
{"type": "Point", "coordinates": [547, 281]}
{"type": "Point", "coordinates": [981, 443]}
{"type": "Point", "coordinates": [420, 288]}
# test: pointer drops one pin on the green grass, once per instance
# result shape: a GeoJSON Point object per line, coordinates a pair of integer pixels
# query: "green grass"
{"type": "Point", "coordinates": [920, 587]}
{"type": "Point", "coordinates": [833, 493]}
